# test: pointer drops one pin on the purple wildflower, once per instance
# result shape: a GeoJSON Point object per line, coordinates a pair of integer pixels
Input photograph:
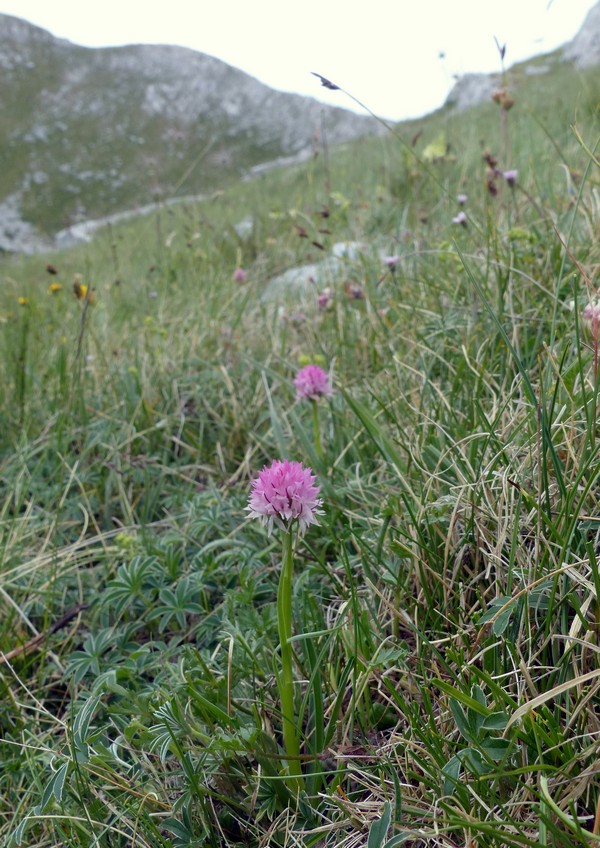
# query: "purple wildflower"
{"type": "Point", "coordinates": [391, 262]}
{"type": "Point", "coordinates": [325, 300]}
{"type": "Point", "coordinates": [239, 275]}
{"type": "Point", "coordinates": [461, 218]}
{"type": "Point", "coordinates": [311, 383]}
{"type": "Point", "coordinates": [462, 198]}
{"type": "Point", "coordinates": [510, 176]}
{"type": "Point", "coordinates": [285, 492]}
{"type": "Point", "coordinates": [354, 291]}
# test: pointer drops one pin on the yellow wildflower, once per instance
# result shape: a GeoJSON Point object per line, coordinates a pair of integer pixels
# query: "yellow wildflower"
{"type": "Point", "coordinates": [81, 290]}
{"type": "Point", "coordinates": [54, 288]}
{"type": "Point", "coordinates": [23, 301]}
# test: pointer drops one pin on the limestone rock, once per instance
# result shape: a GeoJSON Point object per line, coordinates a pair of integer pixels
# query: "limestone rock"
{"type": "Point", "coordinates": [584, 50]}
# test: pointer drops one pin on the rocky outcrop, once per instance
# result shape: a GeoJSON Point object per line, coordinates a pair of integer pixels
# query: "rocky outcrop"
{"type": "Point", "coordinates": [584, 50]}
{"type": "Point", "coordinates": [472, 89]}
{"type": "Point", "coordinates": [17, 235]}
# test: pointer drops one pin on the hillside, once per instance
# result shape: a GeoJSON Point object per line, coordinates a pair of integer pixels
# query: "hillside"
{"type": "Point", "coordinates": [582, 52]}
{"type": "Point", "coordinates": [87, 132]}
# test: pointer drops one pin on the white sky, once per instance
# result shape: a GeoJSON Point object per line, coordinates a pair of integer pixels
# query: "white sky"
{"type": "Point", "coordinates": [384, 52]}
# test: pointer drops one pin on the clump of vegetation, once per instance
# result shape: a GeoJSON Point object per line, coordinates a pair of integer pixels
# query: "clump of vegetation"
{"type": "Point", "coordinates": [438, 681]}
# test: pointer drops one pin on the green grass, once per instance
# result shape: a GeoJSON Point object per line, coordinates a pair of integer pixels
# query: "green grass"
{"type": "Point", "coordinates": [445, 611]}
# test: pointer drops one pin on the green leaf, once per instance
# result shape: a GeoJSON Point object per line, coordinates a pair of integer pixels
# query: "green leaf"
{"type": "Point", "coordinates": [54, 788]}
{"type": "Point", "coordinates": [503, 620]}
{"type": "Point", "coordinates": [210, 710]}
{"type": "Point", "coordinates": [497, 749]}
{"type": "Point", "coordinates": [84, 716]}
{"type": "Point", "coordinates": [476, 719]}
{"type": "Point", "coordinates": [399, 839]}
{"type": "Point", "coordinates": [478, 694]}
{"type": "Point", "coordinates": [451, 771]}
{"type": "Point", "coordinates": [81, 726]}
{"type": "Point", "coordinates": [59, 781]}
{"type": "Point", "coordinates": [19, 831]}
{"type": "Point", "coordinates": [177, 828]}
{"type": "Point", "coordinates": [378, 830]}
{"type": "Point", "coordinates": [460, 696]}
{"type": "Point", "coordinates": [495, 721]}
{"type": "Point", "coordinates": [465, 727]}
{"type": "Point", "coordinates": [474, 761]}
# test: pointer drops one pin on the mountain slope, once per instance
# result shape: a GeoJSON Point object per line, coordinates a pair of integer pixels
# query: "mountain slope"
{"type": "Point", "coordinates": [86, 132]}
{"type": "Point", "coordinates": [583, 51]}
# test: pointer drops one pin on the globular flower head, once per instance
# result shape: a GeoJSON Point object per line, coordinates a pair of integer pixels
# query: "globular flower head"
{"type": "Point", "coordinates": [510, 176]}
{"type": "Point", "coordinates": [285, 492]}
{"type": "Point", "coordinates": [462, 198]}
{"type": "Point", "coordinates": [354, 291]}
{"type": "Point", "coordinates": [325, 300]}
{"type": "Point", "coordinates": [239, 275]}
{"type": "Point", "coordinates": [461, 218]}
{"type": "Point", "coordinates": [391, 262]}
{"type": "Point", "coordinates": [591, 312]}
{"type": "Point", "coordinates": [503, 99]}
{"type": "Point", "coordinates": [311, 383]}
{"type": "Point", "coordinates": [79, 288]}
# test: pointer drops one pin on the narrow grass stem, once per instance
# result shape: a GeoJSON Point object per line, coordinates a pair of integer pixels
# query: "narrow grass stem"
{"type": "Point", "coordinates": [291, 739]}
{"type": "Point", "coordinates": [595, 332]}
{"type": "Point", "coordinates": [21, 372]}
{"type": "Point", "coordinates": [317, 429]}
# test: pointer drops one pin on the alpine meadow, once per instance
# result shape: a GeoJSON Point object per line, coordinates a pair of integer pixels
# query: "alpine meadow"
{"type": "Point", "coordinates": [300, 499]}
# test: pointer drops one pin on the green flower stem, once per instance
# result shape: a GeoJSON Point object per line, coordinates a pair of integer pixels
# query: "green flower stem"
{"type": "Point", "coordinates": [316, 429]}
{"type": "Point", "coordinates": [291, 739]}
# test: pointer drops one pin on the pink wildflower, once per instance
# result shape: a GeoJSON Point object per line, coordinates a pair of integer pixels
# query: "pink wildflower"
{"type": "Point", "coordinates": [285, 492]}
{"type": "Point", "coordinates": [461, 218]}
{"type": "Point", "coordinates": [462, 198]}
{"type": "Point", "coordinates": [391, 262]}
{"type": "Point", "coordinates": [325, 300]}
{"type": "Point", "coordinates": [510, 176]}
{"type": "Point", "coordinates": [591, 312]}
{"type": "Point", "coordinates": [591, 318]}
{"type": "Point", "coordinates": [312, 383]}
{"type": "Point", "coordinates": [239, 275]}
